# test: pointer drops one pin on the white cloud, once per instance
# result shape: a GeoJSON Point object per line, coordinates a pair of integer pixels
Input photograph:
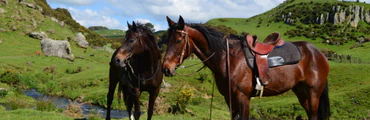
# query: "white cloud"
{"type": "Point", "coordinates": [89, 18]}
{"type": "Point", "coordinates": [142, 20]}
{"type": "Point", "coordinates": [193, 10]}
{"type": "Point", "coordinates": [155, 11]}
{"type": "Point", "coordinates": [74, 2]}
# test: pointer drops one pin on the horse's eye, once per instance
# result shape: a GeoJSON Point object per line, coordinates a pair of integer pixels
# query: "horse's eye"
{"type": "Point", "coordinates": [178, 41]}
{"type": "Point", "coordinates": [131, 40]}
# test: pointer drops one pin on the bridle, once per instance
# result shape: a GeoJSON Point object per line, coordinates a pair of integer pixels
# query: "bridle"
{"type": "Point", "coordinates": [187, 44]}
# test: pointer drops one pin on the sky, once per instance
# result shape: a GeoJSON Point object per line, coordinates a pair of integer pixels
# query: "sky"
{"type": "Point", "coordinates": [115, 14]}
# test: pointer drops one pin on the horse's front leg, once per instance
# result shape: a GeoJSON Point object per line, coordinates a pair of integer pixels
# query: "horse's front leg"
{"type": "Point", "coordinates": [113, 80]}
{"type": "Point", "coordinates": [235, 110]}
{"type": "Point", "coordinates": [152, 97]}
{"type": "Point", "coordinates": [129, 101]}
{"type": "Point", "coordinates": [137, 103]}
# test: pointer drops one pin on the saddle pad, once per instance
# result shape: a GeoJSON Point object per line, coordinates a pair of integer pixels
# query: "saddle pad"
{"type": "Point", "coordinates": [285, 54]}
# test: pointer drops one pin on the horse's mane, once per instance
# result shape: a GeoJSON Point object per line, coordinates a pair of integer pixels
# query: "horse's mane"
{"type": "Point", "coordinates": [216, 40]}
{"type": "Point", "coordinates": [145, 30]}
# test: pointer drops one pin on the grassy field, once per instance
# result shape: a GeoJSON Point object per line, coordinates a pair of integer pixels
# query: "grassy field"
{"type": "Point", "coordinates": [110, 33]}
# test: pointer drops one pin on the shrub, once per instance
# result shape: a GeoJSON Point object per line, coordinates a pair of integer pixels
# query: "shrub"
{"type": "Point", "coordinates": [45, 105]}
{"type": "Point", "coordinates": [183, 99]}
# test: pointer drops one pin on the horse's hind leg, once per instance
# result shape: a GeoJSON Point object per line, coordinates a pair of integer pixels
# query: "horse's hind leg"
{"type": "Point", "coordinates": [302, 94]}
{"type": "Point", "coordinates": [309, 98]}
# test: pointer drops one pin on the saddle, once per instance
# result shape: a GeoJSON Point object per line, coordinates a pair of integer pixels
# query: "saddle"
{"type": "Point", "coordinates": [272, 52]}
{"type": "Point", "coordinates": [268, 44]}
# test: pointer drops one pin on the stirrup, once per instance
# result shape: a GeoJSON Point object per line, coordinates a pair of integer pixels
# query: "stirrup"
{"type": "Point", "coordinates": [259, 87]}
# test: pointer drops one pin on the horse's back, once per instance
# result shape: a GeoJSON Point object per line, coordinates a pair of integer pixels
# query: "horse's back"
{"type": "Point", "coordinates": [314, 63]}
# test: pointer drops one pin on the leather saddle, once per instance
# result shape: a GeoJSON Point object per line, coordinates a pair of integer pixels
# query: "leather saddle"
{"type": "Point", "coordinates": [261, 50]}
{"type": "Point", "coordinates": [268, 44]}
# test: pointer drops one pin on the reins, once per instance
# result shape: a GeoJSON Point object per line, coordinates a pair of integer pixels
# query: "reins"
{"type": "Point", "coordinates": [187, 44]}
{"type": "Point", "coordinates": [155, 72]}
{"type": "Point", "coordinates": [228, 75]}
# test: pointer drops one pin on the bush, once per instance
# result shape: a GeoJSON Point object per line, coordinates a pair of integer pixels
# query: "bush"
{"type": "Point", "coordinates": [183, 99]}
{"type": "Point", "coordinates": [70, 71]}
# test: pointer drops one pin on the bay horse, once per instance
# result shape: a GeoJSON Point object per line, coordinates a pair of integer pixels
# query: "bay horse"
{"type": "Point", "coordinates": [136, 66]}
{"type": "Point", "coordinates": [307, 78]}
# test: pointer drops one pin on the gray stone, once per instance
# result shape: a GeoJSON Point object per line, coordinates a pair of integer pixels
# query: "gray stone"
{"type": "Point", "coordinates": [356, 16]}
{"type": "Point", "coordinates": [33, 6]}
{"type": "Point", "coordinates": [367, 16]}
{"type": "Point", "coordinates": [38, 35]}
{"type": "Point", "coordinates": [2, 10]}
{"type": "Point", "coordinates": [3, 2]}
{"type": "Point", "coordinates": [322, 19]}
{"type": "Point", "coordinates": [61, 23]}
{"type": "Point", "coordinates": [59, 48]}
{"type": "Point", "coordinates": [81, 40]}
{"type": "Point", "coordinates": [2, 30]}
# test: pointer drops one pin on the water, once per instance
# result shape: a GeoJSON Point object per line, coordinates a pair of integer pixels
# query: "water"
{"type": "Point", "coordinates": [87, 109]}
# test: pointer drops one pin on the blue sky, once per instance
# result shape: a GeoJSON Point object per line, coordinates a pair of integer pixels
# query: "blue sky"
{"type": "Point", "coordinates": [114, 14]}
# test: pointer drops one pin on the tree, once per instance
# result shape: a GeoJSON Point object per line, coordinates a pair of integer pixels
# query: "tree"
{"type": "Point", "coordinates": [150, 25]}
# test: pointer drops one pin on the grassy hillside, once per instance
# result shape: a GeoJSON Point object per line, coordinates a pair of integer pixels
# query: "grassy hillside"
{"type": "Point", "coordinates": [264, 24]}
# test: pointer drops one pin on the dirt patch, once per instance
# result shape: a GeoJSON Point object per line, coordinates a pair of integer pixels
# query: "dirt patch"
{"type": "Point", "coordinates": [160, 105]}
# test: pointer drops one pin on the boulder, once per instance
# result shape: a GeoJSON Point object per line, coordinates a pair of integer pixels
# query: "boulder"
{"type": "Point", "coordinates": [38, 35]}
{"type": "Point", "coordinates": [33, 6]}
{"type": "Point", "coordinates": [81, 40]}
{"type": "Point", "coordinates": [61, 23]}
{"type": "Point", "coordinates": [3, 2]}
{"type": "Point", "coordinates": [59, 48]}
{"type": "Point", "coordinates": [2, 10]}
{"type": "Point", "coordinates": [2, 30]}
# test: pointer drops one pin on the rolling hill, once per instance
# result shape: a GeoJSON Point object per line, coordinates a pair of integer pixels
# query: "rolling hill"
{"type": "Point", "coordinates": [300, 20]}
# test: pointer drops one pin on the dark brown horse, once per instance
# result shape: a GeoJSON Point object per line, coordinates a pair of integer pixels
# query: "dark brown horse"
{"type": "Point", "coordinates": [307, 78]}
{"type": "Point", "coordinates": [136, 66]}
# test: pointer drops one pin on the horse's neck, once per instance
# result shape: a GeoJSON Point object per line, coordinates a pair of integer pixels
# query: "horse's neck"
{"type": "Point", "coordinates": [202, 51]}
{"type": "Point", "coordinates": [145, 62]}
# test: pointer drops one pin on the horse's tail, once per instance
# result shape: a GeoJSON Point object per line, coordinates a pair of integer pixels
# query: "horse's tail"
{"type": "Point", "coordinates": [324, 105]}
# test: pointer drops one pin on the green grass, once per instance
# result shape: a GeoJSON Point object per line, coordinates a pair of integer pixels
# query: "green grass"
{"type": "Point", "coordinates": [110, 32]}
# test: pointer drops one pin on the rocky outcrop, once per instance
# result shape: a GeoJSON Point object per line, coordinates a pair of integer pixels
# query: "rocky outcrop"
{"type": "Point", "coordinates": [351, 16]}
{"type": "Point", "coordinates": [288, 19]}
{"type": "Point", "coordinates": [59, 48]}
{"type": "Point", "coordinates": [81, 40]}
{"type": "Point", "coordinates": [38, 35]}
{"type": "Point", "coordinates": [367, 16]}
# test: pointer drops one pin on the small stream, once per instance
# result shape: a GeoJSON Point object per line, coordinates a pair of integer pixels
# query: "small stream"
{"type": "Point", "coordinates": [87, 109]}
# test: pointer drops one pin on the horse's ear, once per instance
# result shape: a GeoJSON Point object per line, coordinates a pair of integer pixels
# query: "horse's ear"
{"type": "Point", "coordinates": [170, 22]}
{"type": "Point", "coordinates": [181, 23]}
{"type": "Point", "coordinates": [128, 25]}
{"type": "Point", "coordinates": [133, 25]}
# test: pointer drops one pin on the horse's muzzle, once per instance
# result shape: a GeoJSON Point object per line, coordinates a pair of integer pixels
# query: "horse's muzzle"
{"type": "Point", "coordinates": [121, 63]}
{"type": "Point", "coordinates": [167, 72]}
